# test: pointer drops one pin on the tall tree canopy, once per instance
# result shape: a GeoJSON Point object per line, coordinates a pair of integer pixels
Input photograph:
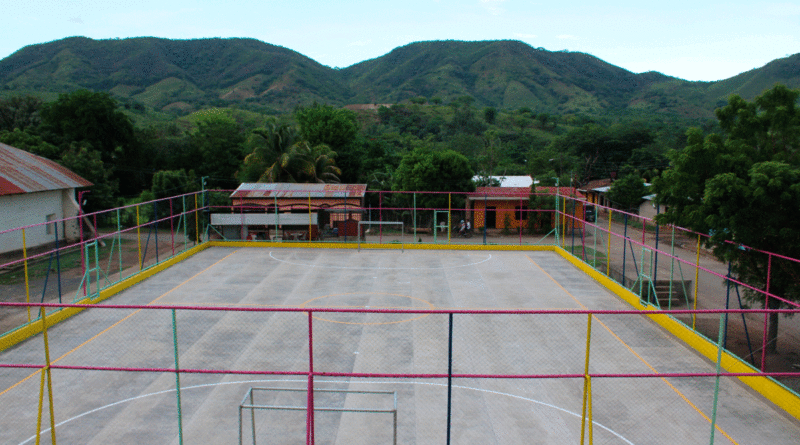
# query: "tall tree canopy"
{"type": "Point", "coordinates": [337, 128]}
{"type": "Point", "coordinates": [93, 121]}
{"type": "Point", "coordinates": [743, 187]}
{"type": "Point", "coordinates": [440, 170]}
{"type": "Point", "coordinates": [219, 143]}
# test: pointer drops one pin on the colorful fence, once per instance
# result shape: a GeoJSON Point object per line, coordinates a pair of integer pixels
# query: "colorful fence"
{"type": "Point", "coordinates": [450, 357]}
{"type": "Point", "coordinates": [668, 269]}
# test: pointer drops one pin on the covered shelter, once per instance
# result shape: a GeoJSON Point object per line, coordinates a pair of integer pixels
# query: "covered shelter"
{"type": "Point", "coordinates": [292, 211]}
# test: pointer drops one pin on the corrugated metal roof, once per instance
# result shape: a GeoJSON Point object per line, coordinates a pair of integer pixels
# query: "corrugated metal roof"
{"type": "Point", "coordinates": [518, 192]}
{"type": "Point", "coordinates": [286, 190]}
{"type": "Point", "coordinates": [511, 181]}
{"type": "Point", "coordinates": [23, 172]}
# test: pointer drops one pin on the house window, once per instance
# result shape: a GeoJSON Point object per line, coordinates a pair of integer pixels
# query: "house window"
{"type": "Point", "coordinates": [520, 213]}
{"type": "Point", "coordinates": [49, 227]}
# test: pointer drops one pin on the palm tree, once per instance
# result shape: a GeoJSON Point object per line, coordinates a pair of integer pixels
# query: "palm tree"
{"type": "Point", "coordinates": [304, 163]}
{"type": "Point", "coordinates": [272, 142]}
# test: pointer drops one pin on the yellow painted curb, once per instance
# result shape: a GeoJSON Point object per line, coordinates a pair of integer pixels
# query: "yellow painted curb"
{"type": "Point", "coordinates": [30, 329]}
{"type": "Point", "coordinates": [375, 246]}
{"type": "Point", "coordinates": [765, 386]}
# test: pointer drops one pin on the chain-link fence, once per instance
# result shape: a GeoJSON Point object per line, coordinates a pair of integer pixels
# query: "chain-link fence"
{"type": "Point", "coordinates": [167, 373]}
{"type": "Point", "coordinates": [668, 268]}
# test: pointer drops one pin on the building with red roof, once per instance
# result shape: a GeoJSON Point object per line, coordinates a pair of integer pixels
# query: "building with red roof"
{"type": "Point", "coordinates": [33, 192]}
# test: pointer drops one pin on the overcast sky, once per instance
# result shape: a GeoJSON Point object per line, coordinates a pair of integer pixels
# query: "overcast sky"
{"type": "Point", "coordinates": [693, 40]}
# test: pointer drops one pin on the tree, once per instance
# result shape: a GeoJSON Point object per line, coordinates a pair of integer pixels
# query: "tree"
{"type": "Point", "coordinates": [93, 121]}
{"type": "Point", "coordinates": [19, 112]}
{"type": "Point", "coordinates": [490, 115]}
{"type": "Point", "coordinates": [442, 171]}
{"type": "Point", "coordinates": [304, 163]}
{"type": "Point", "coordinates": [627, 192]}
{"type": "Point", "coordinates": [743, 187]}
{"type": "Point", "coordinates": [323, 124]}
{"type": "Point", "coordinates": [219, 143]}
{"type": "Point", "coordinates": [267, 145]}
{"type": "Point", "coordinates": [336, 128]}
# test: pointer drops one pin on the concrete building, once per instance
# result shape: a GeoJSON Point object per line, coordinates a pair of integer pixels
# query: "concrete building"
{"type": "Point", "coordinates": [509, 207]}
{"type": "Point", "coordinates": [33, 192]}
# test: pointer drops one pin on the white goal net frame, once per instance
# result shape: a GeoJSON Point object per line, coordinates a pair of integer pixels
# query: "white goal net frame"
{"type": "Point", "coordinates": [380, 224]}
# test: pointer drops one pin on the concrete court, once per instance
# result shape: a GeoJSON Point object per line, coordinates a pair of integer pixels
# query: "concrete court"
{"type": "Point", "coordinates": [125, 407]}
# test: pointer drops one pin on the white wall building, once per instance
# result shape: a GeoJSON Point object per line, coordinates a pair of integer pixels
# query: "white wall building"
{"type": "Point", "coordinates": [33, 192]}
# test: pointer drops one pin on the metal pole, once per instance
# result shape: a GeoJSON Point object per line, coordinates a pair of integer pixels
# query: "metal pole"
{"type": "Point", "coordinates": [119, 243]}
{"type": "Point", "coordinates": [58, 263]}
{"type": "Point", "coordinates": [766, 316]}
{"type": "Point", "coordinates": [574, 204]}
{"type": "Point", "coordinates": [727, 303]}
{"type": "Point", "coordinates": [485, 226]}
{"type": "Point", "coordinates": [177, 376]}
{"type": "Point", "coordinates": [722, 322]}
{"type": "Point", "coordinates": [310, 390]}
{"type": "Point", "coordinates": [27, 282]}
{"type": "Point", "coordinates": [415, 216]}
{"type": "Point", "coordinates": [608, 244]}
{"type": "Point", "coordinates": [655, 267]}
{"type": "Point", "coordinates": [449, 375]}
{"type": "Point", "coordinates": [520, 220]}
{"type": "Point", "coordinates": [138, 237]}
{"type": "Point", "coordinates": [196, 221]}
{"type": "Point", "coordinates": [587, 384]}
{"type": "Point", "coordinates": [171, 228]}
{"type": "Point", "coordinates": [624, 248]}
{"type": "Point", "coordinates": [449, 218]}
{"type": "Point", "coordinates": [80, 233]}
{"type": "Point", "coordinates": [696, 284]}
{"type": "Point", "coordinates": [155, 218]}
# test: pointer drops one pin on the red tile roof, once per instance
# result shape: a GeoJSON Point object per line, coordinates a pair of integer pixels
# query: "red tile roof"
{"type": "Point", "coordinates": [23, 172]}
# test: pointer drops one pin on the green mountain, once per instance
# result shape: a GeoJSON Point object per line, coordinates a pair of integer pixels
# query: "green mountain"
{"type": "Point", "coordinates": [186, 75]}
{"type": "Point", "coordinates": [166, 74]}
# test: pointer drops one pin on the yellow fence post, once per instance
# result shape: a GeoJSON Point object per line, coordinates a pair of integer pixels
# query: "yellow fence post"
{"type": "Point", "coordinates": [587, 387]}
{"type": "Point", "coordinates": [46, 372]}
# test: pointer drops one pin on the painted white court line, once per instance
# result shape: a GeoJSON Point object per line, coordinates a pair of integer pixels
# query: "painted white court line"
{"type": "Point", "coordinates": [399, 382]}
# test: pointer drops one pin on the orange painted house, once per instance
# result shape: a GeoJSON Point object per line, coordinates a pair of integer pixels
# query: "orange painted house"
{"type": "Point", "coordinates": [508, 207]}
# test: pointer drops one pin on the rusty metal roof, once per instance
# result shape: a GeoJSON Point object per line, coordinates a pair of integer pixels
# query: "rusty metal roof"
{"type": "Point", "coordinates": [23, 172]}
{"type": "Point", "coordinates": [286, 190]}
{"type": "Point", "coordinates": [521, 192]}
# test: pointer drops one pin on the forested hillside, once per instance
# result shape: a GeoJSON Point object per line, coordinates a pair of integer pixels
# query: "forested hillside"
{"type": "Point", "coordinates": [175, 77]}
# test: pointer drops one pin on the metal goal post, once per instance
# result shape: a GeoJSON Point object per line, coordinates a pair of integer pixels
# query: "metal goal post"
{"type": "Point", "coordinates": [252, 407]}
